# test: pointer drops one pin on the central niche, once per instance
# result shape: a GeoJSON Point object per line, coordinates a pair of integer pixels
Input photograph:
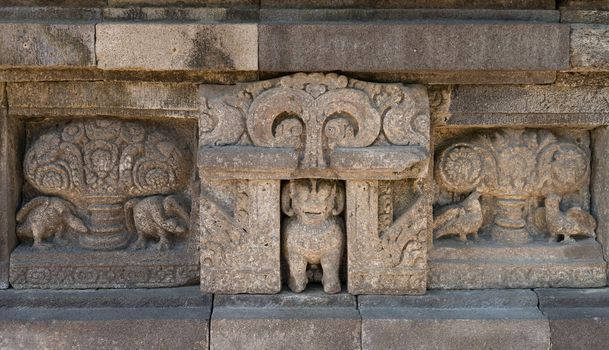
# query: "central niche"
{"type": "Point", "coordinates": [313, 238]}
{"type": "Point", "coordinates": [297, 174]}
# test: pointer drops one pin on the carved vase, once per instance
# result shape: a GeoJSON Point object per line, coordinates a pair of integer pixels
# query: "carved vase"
{"type": "Point", "coordinates": [97, 165]}
{"type": "Point", "coordinates": [512, 165]}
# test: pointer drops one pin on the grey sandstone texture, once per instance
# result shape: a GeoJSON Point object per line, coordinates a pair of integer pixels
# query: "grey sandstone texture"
{"type": "Point", "coordinates": [372, 47]}
{"type": "Point", "coordinates": [43, 45]}
{"type": "Point", "coordinates": [134, 319]}
{"type": "Point", "coordinates": [579, 318]}
{"type": "Point", "coordinates": [219, 47]}
{"type": "Point", "coordinates": [501, 319]}
{"type": "Point", "coordinates": [312, 320]}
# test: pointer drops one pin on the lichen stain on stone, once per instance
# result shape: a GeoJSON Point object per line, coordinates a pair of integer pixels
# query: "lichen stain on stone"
{"type": "Point", "coordinates": [207, 52]}
{"type": "Point", "coordinates": [77, 52]}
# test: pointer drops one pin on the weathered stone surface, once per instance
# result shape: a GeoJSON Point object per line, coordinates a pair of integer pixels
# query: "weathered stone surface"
{"type": "Point", "coordinates": [505, 319]}
{"type": "Point", "coordinates": [49, 13]}
{"type": "Point", "coordinates": [213, 47]}
{"type": "Point", "coordinates": [319, 127]}
{"type": "Point", "coordinates": [589, 46]}
{"type": "Point", "coordinates": [106, 184]}
{"type": "Point", "coordinates": [579, 318]}
{"type": "Point", "coordinates": [180, 14]}
{"type": "Point", "coordinates": [38, 44]}
{"type": "Point", "coordinates": [470, 77]}
{"type": "Point", "coordinates": [509, 105]}
{"type": "Point", "coordinates": [62, 3]}
{"type": "Point", "coordinates": [489, 265]}
{"type": "Point", "coordinates": [11, 136]}
{"type": "Point", "coordinates": [370, 14]}
{"type": "Point", "coordinates": [240, 249]}
{"type": "Point", "coordinates": [584, 4]}
{"type": "Point", "coordinates": [312, 320]}
{"type": "Point", "coordinates": [376, 47]}
{"type": "Point", "coordinates": [584, 16]}
{"type": "Point", "coordinates": [151, 319]}
{"type": "Point", "coordinates": [120, 99]}
{"type": "Point", "coordinates": [245, 3]}
{"type": "Point", "coordinates": [499, 4]}
{"type": "Point", "coordinates": [600, 185]}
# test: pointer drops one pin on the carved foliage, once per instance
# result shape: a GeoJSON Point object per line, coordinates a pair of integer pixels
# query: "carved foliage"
{"type": "Point", "coordinates": [315, 113]}
{"type": "Point", "coordinates": [515, 166]}
{"type": "Point", "coordinates": [105, 157]}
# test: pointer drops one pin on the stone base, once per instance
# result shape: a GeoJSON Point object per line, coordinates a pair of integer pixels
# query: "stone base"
{"type": "Point", "coordinates": [310, 320]}
{"type": "Point", "coordinates": [32, 268]}
{"type": "Point", "coordinates": [110, 319]}
{"type": "Point", "coordinates": [500, 319]}
{"type": "Point", "coordinates": [479, 265]}
{"type": "Point", "coordinates": [579, 318]}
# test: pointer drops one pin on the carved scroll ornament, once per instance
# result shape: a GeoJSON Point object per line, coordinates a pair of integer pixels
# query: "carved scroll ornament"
{"type": "Point", "coordinates": [98, 164]}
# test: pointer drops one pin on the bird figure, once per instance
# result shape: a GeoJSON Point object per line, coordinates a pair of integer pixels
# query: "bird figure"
{"type": "Point", "coordinates": [461, 219]}
{"type": "Point", "coordinates": [573, 222]}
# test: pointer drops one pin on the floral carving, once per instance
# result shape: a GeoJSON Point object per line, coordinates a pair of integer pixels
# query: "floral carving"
{"type": "Point", "coordinates": [513, 165]}
{"type": "Point", "coordinates": [99, 164]}
{"type": "Point", "coordinates": [315, 113]}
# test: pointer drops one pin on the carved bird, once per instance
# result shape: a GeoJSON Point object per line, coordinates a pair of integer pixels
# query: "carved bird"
{"type": "Point", "coordinates": [573, 222]}
{"type": "Point", "coordinates": [461, 219]}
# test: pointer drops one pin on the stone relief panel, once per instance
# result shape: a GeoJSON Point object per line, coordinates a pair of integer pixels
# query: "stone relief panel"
{"type": "Point", "coordinates": [100, 188]}
{"type": "Point", "coordinates": [322, 135]}
{"type": "Point", "coordinates": [521, 196]}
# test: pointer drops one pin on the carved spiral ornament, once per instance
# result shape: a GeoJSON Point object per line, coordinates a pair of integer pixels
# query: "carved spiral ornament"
{"type": "Point", "coordinates": [459, 168]}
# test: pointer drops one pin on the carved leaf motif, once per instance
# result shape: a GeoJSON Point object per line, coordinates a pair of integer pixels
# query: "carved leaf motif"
{"type": "Point", "coordinates": [220, 123]}
{"type": "Point", "coordinates": [400, 242]}
{"type": "Point", "coordinates": [222, 233]}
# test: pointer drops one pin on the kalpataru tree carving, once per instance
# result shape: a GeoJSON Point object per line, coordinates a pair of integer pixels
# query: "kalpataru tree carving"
{"type": "Point", "coordinates": [98, 165]}
{"type": "Point", "coordinates": [514, 166]}
{"type": "Point", "coordinates": [318, 128]}
{"type": "Point", "coordinates": [109, 201]}
{"type": "Point", "coordinates": [518, 192]}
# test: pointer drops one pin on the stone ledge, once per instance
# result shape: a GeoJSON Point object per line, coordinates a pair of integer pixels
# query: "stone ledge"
{"type": "Point", "coordinates": [590, 46]}
{"type": "Point", "coordinates": [490, 319]}
{"type": "Point", "coordinates": [133, 319]}
{"type": "Point", "coordinates": [579, 318]}
{"type": "Point", "coordinates": [372, 47]}
{"type": "Point", "coordinates": [311, 320]}
{"type": "Point", "coordinates": [213, 47]}
{"type": "Point", "coordinates": [137, 99]}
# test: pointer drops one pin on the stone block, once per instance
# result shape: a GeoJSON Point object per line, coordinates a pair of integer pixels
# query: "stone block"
{"type": "Point", "coordinates": [210, 3]}
{"type": "Point", "coordinates": [579, 318]}
{"type": "Point", "coordinates": [509, 105]}
{"type": "Point", "coordinates": [311, 320]}
{"type": "Point", "coordinates": [589, 46]}
{"type": "Point", "coordinates": [488, 265]}
{"type": "Point", "coordinates": [134, 319]}
{"type": "Point", "coordinates": [584, 16]}
{"type": "Point", "coordinates": [207, 14]}
{"type": "Point", "coordinates": [501, 319]}
{"type": "Point", "coordinates": [120, 99]}
{"type": "Point", "coordinates": [375, 47]}
{"type": "Point", "coordinates": [600, 185]}
{"type": "Point", "coordinates": [49, 13]}
{"type": "Point", "coordinates": [11, 136]}
{"type": "Point", "coordinates": [58, 3]}
{"type": "Point", "coordinates": [44, 45]}
{"type": "Point", "coordinates": [495, 4]}
{"type": "Point", "coordinates": [372, 14]}
{"type": "Point", "coordinates": [211, 47]}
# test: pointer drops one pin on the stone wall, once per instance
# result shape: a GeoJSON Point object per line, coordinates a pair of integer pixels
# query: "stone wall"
{"type": "Point", "coordinates": [276, 152]}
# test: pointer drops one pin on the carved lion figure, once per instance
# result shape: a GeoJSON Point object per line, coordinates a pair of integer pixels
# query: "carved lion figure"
{"type": "Point", "coordinates": [313, 232]}
{"type": "Point", "coordinates": [156, 217]}
{"type": "Point", "coordinates": [47, 217]}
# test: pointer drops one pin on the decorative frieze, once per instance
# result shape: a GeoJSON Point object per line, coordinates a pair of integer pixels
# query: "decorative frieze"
{"type": "Point", "coordinates": [117, 188]}
{"type": "Point", "coordinates": [329, 140]}
{"type": "Point", "coordinates": [522, 194]}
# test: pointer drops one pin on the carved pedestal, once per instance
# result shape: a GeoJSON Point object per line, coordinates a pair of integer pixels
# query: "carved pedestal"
{"type": "Point", "coordinates": [106, 205]}
{"type": "Point", "coordinates": [299, 141]}
{"type": "Point", "coordinates": [523, 195]}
